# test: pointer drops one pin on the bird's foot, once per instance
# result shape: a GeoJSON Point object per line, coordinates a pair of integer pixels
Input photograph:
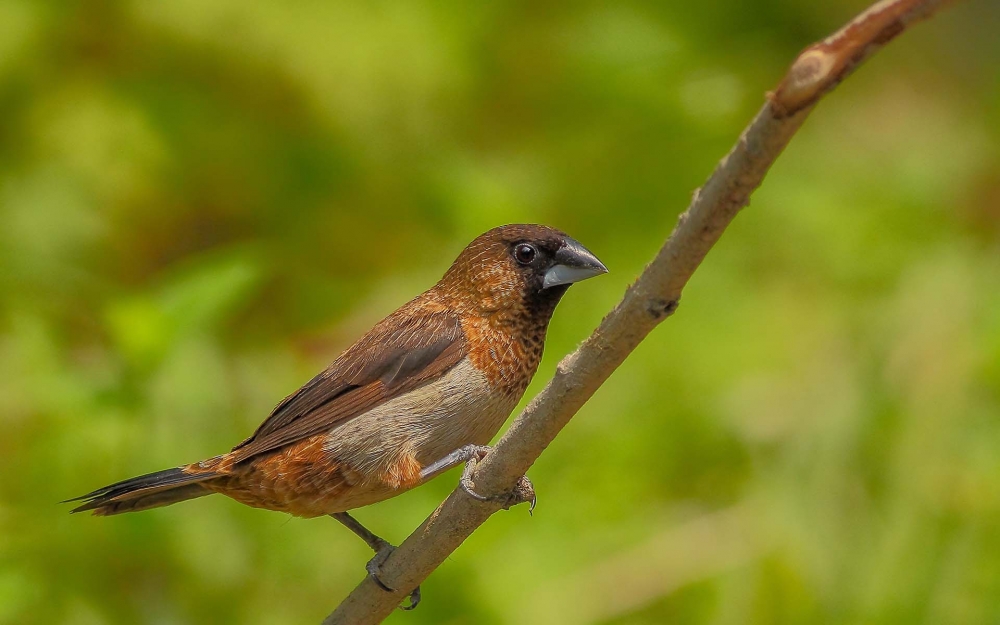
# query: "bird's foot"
{"type": "Point", "coordinates": [523, 490]}
{"type": "Point", "coordinates": [471, 455]}
{"type": "Point", "coordinates": [374, 567]}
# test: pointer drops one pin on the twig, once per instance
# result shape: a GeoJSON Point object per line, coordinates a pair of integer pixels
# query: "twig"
{"type": "Point", "coordinates": [652, 298]}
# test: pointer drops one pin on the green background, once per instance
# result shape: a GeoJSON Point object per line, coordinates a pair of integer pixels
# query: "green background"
{"type": "Point", "coordinates": [201, 203]}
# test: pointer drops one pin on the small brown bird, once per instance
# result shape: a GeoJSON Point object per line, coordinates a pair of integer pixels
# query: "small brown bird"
{"type": "Point", "coordinates": [421, 392]}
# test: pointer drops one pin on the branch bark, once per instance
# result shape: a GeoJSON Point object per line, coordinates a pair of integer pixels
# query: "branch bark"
{"type": "Point", "coordinates": [652, 298]}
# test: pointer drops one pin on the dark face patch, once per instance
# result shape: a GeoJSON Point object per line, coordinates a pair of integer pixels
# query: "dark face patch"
{"type": "Point", "coordinates": [506, 275]}
{"type": "Point", "coordinates": [532, 258]}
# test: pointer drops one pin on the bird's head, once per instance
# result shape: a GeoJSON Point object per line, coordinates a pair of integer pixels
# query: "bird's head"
{"type": "Point", "coordinates": [518, 269]}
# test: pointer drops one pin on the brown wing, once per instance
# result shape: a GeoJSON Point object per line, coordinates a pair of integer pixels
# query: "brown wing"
{"type": "Point", "coordinates": [402, 352]}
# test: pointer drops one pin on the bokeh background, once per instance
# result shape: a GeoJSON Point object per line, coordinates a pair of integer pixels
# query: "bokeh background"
{"type": "Point", "coordinates": [201, 203]}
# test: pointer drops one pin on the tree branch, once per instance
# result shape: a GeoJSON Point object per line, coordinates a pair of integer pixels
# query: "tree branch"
{"type": "Point", "coordinates": [652, 298]}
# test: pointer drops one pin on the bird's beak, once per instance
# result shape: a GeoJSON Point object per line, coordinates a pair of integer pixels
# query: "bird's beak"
{"type": "Point", "coordinates": [573, 263]}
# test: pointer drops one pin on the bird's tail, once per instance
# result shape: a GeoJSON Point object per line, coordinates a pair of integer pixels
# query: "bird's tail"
{"type": "Point", "coordinates": [146, 491]}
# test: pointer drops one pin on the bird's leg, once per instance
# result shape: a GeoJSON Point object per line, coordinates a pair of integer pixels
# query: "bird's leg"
{"type": "Point", "coordinates": [462, 454]}
{"type": "Point", "coordinates": [471, 455]}
{"type": "Point", "coordinates": [382, 549]}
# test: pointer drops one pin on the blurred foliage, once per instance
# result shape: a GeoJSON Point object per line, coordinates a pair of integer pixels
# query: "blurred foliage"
{"type": "Point", "coordinates": [201, 203]}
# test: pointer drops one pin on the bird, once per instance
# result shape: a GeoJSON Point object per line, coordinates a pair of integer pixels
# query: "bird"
{"type": "Point", "coordinates": [423, 391]}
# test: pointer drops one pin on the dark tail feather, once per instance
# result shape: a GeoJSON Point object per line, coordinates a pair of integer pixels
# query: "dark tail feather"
{"type": "Point", "coordinates": [146, 491]}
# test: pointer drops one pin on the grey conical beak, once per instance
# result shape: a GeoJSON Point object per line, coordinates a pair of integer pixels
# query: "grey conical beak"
{"type": "Point", "coordinates": [573, 263]}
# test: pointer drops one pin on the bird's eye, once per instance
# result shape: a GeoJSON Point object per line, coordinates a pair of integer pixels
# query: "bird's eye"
{"type": "Point", "coordinates": [525, 253]}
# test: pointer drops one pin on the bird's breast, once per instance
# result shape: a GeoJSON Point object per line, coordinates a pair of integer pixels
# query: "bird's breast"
{"type": "Point", "coordinates": [506, 356]}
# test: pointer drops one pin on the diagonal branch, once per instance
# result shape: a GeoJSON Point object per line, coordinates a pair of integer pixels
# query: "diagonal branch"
{"type": "Point", "coordinates": [652, 298]}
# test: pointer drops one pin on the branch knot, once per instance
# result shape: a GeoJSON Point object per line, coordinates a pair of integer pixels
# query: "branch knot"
{"type": "Point", "coordinates": [659, 308]}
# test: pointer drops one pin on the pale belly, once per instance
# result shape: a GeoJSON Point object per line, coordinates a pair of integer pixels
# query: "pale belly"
{"type": "Point", "coordinates": [378, 454]}
{"type": "Point", "coordinates": [423, 426]}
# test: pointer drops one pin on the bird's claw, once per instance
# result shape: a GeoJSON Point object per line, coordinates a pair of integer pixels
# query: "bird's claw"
{"type": "Point", "coordinates": [374, 567]}
{"type": "Point", "coordinates": [414, 599]}
{"type": "Point", "coordinates": [375, 564]}
{"type": "Point", "coordinates": [522, 491]}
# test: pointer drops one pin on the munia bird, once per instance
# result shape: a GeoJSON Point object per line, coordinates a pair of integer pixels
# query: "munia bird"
{"type": "Point", "coordinates": [423, 391]}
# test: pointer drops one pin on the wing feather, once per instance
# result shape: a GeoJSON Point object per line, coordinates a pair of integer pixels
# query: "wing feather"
{"type": "Point", "coordinates": [401, 353]}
